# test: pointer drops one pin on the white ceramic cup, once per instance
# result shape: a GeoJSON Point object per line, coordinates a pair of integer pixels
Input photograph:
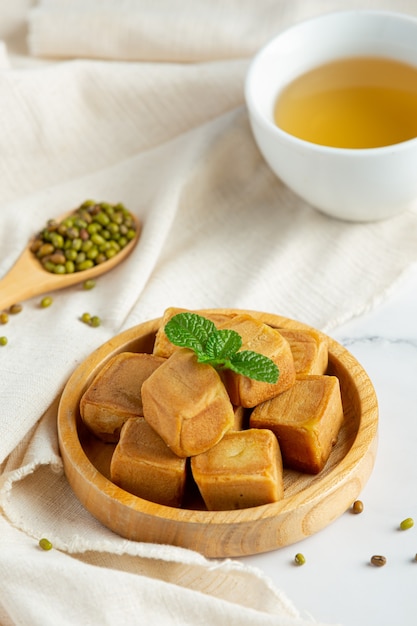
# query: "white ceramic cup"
{"type": "Point", "coordinates": [351, 184]}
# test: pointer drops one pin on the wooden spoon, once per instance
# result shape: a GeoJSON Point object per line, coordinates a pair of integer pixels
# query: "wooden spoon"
{"type": "Point", "coordinates": [28, 278]}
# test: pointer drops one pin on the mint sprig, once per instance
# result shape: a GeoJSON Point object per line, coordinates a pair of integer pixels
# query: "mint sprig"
{"type": "Point", "coordinates": [219, 348]}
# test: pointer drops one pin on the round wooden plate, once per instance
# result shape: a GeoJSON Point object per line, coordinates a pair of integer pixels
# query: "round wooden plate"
{"type": "Point", "coordinates": [310, 502]}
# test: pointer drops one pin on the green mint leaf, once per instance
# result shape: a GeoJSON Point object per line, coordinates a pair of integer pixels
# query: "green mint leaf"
{"type": "Point", "coordinates": [219, 348]}
{"type": "Point", "coordinates": [255, 366]}
{"type": "Point", "coordinates": [189, 330]}
{"type": "Point", "coordinates": [222, 344]}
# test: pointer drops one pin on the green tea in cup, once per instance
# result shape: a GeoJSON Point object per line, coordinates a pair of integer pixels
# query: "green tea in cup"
{"type": "Point", "coordinates": [356, 102]}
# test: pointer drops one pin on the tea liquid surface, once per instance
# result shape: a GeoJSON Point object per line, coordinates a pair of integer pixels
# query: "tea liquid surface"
{"type": "Point", "coordinates": [358, 102]}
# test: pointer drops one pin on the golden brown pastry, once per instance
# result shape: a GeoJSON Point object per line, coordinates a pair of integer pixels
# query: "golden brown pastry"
{"type": "Point", "coordinates": [241, 418]}
{"type": "Point", "coordinates": [243, 470]}
{"type": "Point", "coordinates": [115, 393]}
{"type": "Point", "coordinates": [187, 404]}
{"type": "Point", "coordinates": [306, 420]}
{"type": "Point", "coordinates": [163, 346]}
{"type": "Point", "coordinates": [143, 464]}
{"type": "Point", "coordinates": [265, 340]}
{"type": "Point", "coordinates": [309, 349]}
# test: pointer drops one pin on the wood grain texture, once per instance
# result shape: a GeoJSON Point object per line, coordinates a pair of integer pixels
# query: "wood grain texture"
{"type": "Point", "coordinates": [310, 502]}
{"type": "Point", "coordinates": [27, 278]}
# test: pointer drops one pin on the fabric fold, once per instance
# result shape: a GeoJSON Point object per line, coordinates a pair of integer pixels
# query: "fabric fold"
{"type": "Point", "coordinates": [97, 595]}
{"type": "Point", "coordinates": [176, 31]}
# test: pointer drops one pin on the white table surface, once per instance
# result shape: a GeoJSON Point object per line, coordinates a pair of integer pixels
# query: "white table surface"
{"type": "Point", "coordinates": [337, 584]}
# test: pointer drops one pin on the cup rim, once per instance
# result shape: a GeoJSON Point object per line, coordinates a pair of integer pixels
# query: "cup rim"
{"type": "Point", "coordinates": [250, 96]}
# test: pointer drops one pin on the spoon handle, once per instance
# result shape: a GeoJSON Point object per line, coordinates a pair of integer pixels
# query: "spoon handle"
{"type": "Point", "coordinates": [23, 281]}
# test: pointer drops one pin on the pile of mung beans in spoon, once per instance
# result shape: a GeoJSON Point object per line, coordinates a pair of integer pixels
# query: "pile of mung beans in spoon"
{"type": "Point", "coordinates": [91, 234]}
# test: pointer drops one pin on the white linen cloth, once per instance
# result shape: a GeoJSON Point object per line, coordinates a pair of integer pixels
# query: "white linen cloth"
{"type": "Point", "coordinates": [142, 102]}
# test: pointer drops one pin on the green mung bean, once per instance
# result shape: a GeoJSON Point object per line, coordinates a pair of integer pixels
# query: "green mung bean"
{"type": "Point", "coordinates": [3, 341]}
{"type": "Point", "coordinates": [93, 228]}
{"type": "Point", "coordinates": [102, 219]}
{"type": "Point", "coordinates": [92, 253]}
{"type": "Point", "coordinates": [87, 245]}
{"type": "Point", "coordinates": [110, 253]}
{"type": "Point", "coordinates": [407, 523]}
{"type": "Point", "coordinates": [57, 240]}
{"type": "Point", "coordinates": [97, 239]}
{"type": "Point", "coordinates": [299, 559]}
{"type": "Point", "coordinates": [86, 264]}
{"type": "Point", "coordinates": [81, 257]}
{"type": "Point", "coordinates": [77, 243]}
{"type": "Point", "coordinates": [45, 544]}
{"type": "Point", "coordinates": [70, 254]}
{"type": "Point", "coordinates": [49, 266]}
{"type": "Point", "coordinates": [46, 301]}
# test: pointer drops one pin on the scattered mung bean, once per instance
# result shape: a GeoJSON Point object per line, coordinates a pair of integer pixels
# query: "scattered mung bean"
{"type": "Point", "coordinates": [357, 506]}
{"type": "Point", "coordinates": [15, 308]}
{"type": "Point", "coordinates": [299, 559]}
{"type": "Point", "coordinates": [407, 523]}
{"type": "Point", "coordinates": [4, 318]}
{"type": "Point", "coordinates": [3, 341]}
{"type": "Point", "coordinates": [46, 301]}
{"type": "Point", "coordinates": [45, 544]}
{"type": "Point", "coordinates": [89, 284]}
{"type": "Point", "coordinates": [93, 233]}
{"type": "Point", "coordinates": [378, 560]}
{"type": "Point", "coordinates": [90, 320]}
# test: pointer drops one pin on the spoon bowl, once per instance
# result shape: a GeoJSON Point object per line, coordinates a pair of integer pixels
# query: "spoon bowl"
{"type": "Point", "coordinates": [28, 278]}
